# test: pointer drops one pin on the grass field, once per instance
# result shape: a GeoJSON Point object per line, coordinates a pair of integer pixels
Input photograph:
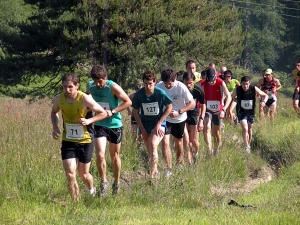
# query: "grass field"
{"type": "Point", "coordinates": [33, 187]}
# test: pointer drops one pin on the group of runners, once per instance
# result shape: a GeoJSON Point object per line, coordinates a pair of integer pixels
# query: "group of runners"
{"type": "Point", "coordinates": [176, 108]}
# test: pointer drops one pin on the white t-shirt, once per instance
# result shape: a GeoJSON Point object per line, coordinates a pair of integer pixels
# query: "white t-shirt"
{"type": "Point", "coordinates": [180, 95]}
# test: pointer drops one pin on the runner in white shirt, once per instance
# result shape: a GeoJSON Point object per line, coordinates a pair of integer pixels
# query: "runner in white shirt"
{"type": "Point", "coordinates": [182, 102]}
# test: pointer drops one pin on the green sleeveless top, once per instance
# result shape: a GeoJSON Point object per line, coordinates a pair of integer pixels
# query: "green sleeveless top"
{"type": "Point", "coordinates": [107, 100]}
{"type": "Point", "coordinates": [71, 112]}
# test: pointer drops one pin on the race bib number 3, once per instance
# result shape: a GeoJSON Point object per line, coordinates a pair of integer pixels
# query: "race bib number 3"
{"type": "Point", "coordinates": [150, 109]}
{"type": "Point", "coordinates": [74, 131]}
{"type": "Point", "coordinates": [213, 105]}
{"type": "Point", "coordinates": [247, 104]}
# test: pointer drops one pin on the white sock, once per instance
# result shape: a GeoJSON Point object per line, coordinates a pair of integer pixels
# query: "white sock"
{"type": "Point", "coordinates": [92, 191]}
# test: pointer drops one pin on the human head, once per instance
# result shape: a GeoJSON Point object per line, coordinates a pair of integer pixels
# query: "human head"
{"type": "Point", "coordinates": [228, 74]}
{"type": "Point", "coordinates": [268, 74]}
{"type": "Point", "coordinates": [149, 80]}
{"type": "Point", "coordinates": [212, 65]}
{"type": "Point", "coordinates": [99, 75]}
{"type": "Point", "coordinates": [138, 86]}
{"type": "Point", "coordinates": [245, 82]}
{"type": "Point", "coordinates": [211, 76]}
{"type": "Point", "coordinates": [70, 84]}
{"type": "Point", "coordinates": [223, 69]}
{"type": "Point", "coordinates": [180, 75]}
{"type": "Point", "coordinates": [298, 65]}
{"type": "Point", "coordinates": [168, 76]}
{"type": "Point", "coordinates": [149, 75]}
{"type": "Point", "coordinates": [98, 72]}
{"type": "Point", "coordinates": [268, 71]}
{"type": "Point", "coordinates": [263, 72]}
{"type": "Point", "coordinates": [190, 66]}
{"type": "Point", "coordinates": [70, 77]}
{"type": "Point", "coordinates": [188, 79]}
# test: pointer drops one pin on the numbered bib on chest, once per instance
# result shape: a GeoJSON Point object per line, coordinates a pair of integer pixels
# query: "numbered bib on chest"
{"type": "Point", "coordinates": [74, 131]}
{"type": "Point", "coordinates": [247, 104]}
{"type": "Point", "coordinates": [270, 95]}
{"type": "Point", "coordinates": [150, 109]}
{"type": "Point", "coordinates": [213, 105]}
{"type": "Point", "coordinates": [104, 105]}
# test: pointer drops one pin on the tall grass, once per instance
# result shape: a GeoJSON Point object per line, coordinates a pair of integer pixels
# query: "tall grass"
{"type": "Point", "coordinates": [33, 187]}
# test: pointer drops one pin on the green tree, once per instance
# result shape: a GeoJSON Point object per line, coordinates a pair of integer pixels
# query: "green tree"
{"type": "Point", "coordinates": [127, 36]}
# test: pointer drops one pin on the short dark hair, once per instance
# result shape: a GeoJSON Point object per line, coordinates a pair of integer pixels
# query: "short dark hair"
{"type": "Point", "coordinates": [138, 86]}
{"type": "Point", "coordinates": [168, 75]}
{"type": "Point", "coordinates": [189, 62]}
{"type": "Point", "coordinates": [71, 77]}
{"type": "Point", "coordinates": [149, 75]}
{"type": "Point", "coordinates": [98, 72]}
{"type": "Point", "coordinates": [245, 79]}
{"type": "Point", "coordinates": [228, 72]}
{"type": "Point", "coordinates": [187, 76]}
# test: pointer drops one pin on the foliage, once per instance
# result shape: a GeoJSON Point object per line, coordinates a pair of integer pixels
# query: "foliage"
{"type": "Point", "coordinates": [128, 37]}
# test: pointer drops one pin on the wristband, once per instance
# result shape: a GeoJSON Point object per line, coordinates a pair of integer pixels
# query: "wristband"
{"type": "Point", "coordinates": [200, 118]}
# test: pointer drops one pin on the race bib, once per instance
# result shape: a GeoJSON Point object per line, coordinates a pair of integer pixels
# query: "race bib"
{"type": "Point", "coordinates": [104, 105]}
{"type": "Point", "coordinates": [213, 105]}
{"type": "Point", "coordinates": [270, 95]}
{"type": "Point", "coordinates": [74, 131]}
{"type": "Point", "coordinates": [150, 109]}
{"type": "Point", "coordinates": [247, 104]}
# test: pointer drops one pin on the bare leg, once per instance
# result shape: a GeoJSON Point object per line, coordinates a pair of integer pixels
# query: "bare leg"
{"type": "Point", "coordinates": [166, 151]}
{"type": "Point", "coordinates": [216, 133]}
{"type": "Point", "coordinates": [84, 173]}
{"type": "Point", "coordinates": [207, 133]}
{"type": "Point", "coordinates": [100, 146]}
{"type": "Point", "coordinates": [114, 150]}
{"type": "Point", "coordinates": [70, 171]}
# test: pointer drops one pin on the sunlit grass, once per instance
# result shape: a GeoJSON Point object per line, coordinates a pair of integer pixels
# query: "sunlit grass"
{"type": "Point", "coordinates": [33, 187]}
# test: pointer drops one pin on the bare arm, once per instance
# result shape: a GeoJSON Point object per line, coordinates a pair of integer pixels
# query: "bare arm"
{"type": "Point", "coordinates": [137, 118]}
{"type": "Point", "coordinates": [227, 96]}
{"type": "Point", "coordinates": [129, 111]}
{"type": "Point", "coordinates": [91, 104]}
{"type": "Point", "coordinates": [233, 95]}
{"type": "Point", "coordinates": [278, 85]}
{"type": "Point", "coordinates": [120, 94]}
{"type": "Point", "coordinates": [157, 128]}
{"type": "Point", "coordinates": [55, 118]}
{"type": "Point", "coordinates": [262, 95]}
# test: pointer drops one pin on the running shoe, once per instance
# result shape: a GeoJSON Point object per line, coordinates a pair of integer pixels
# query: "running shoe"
{"type": "Point", "coordinates": [104, 186]}
{"type": "Point", "coordinates": [248, 149]}
{"type": "Point", "coordinates": [115, 188]}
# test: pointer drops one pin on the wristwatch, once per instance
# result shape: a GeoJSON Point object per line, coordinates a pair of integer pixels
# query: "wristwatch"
{"type": "Point", "coordinates": [180, 111]}
{"type": "Point", "coordinates": [113, 112]}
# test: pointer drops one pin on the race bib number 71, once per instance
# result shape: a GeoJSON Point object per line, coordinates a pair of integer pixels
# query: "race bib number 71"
{"type": "Point", "coordinates": [74, 131]}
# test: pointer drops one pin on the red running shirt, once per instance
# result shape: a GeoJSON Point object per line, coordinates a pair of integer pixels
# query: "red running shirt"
{"type": "Point", "coordinates": [213, 95]}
